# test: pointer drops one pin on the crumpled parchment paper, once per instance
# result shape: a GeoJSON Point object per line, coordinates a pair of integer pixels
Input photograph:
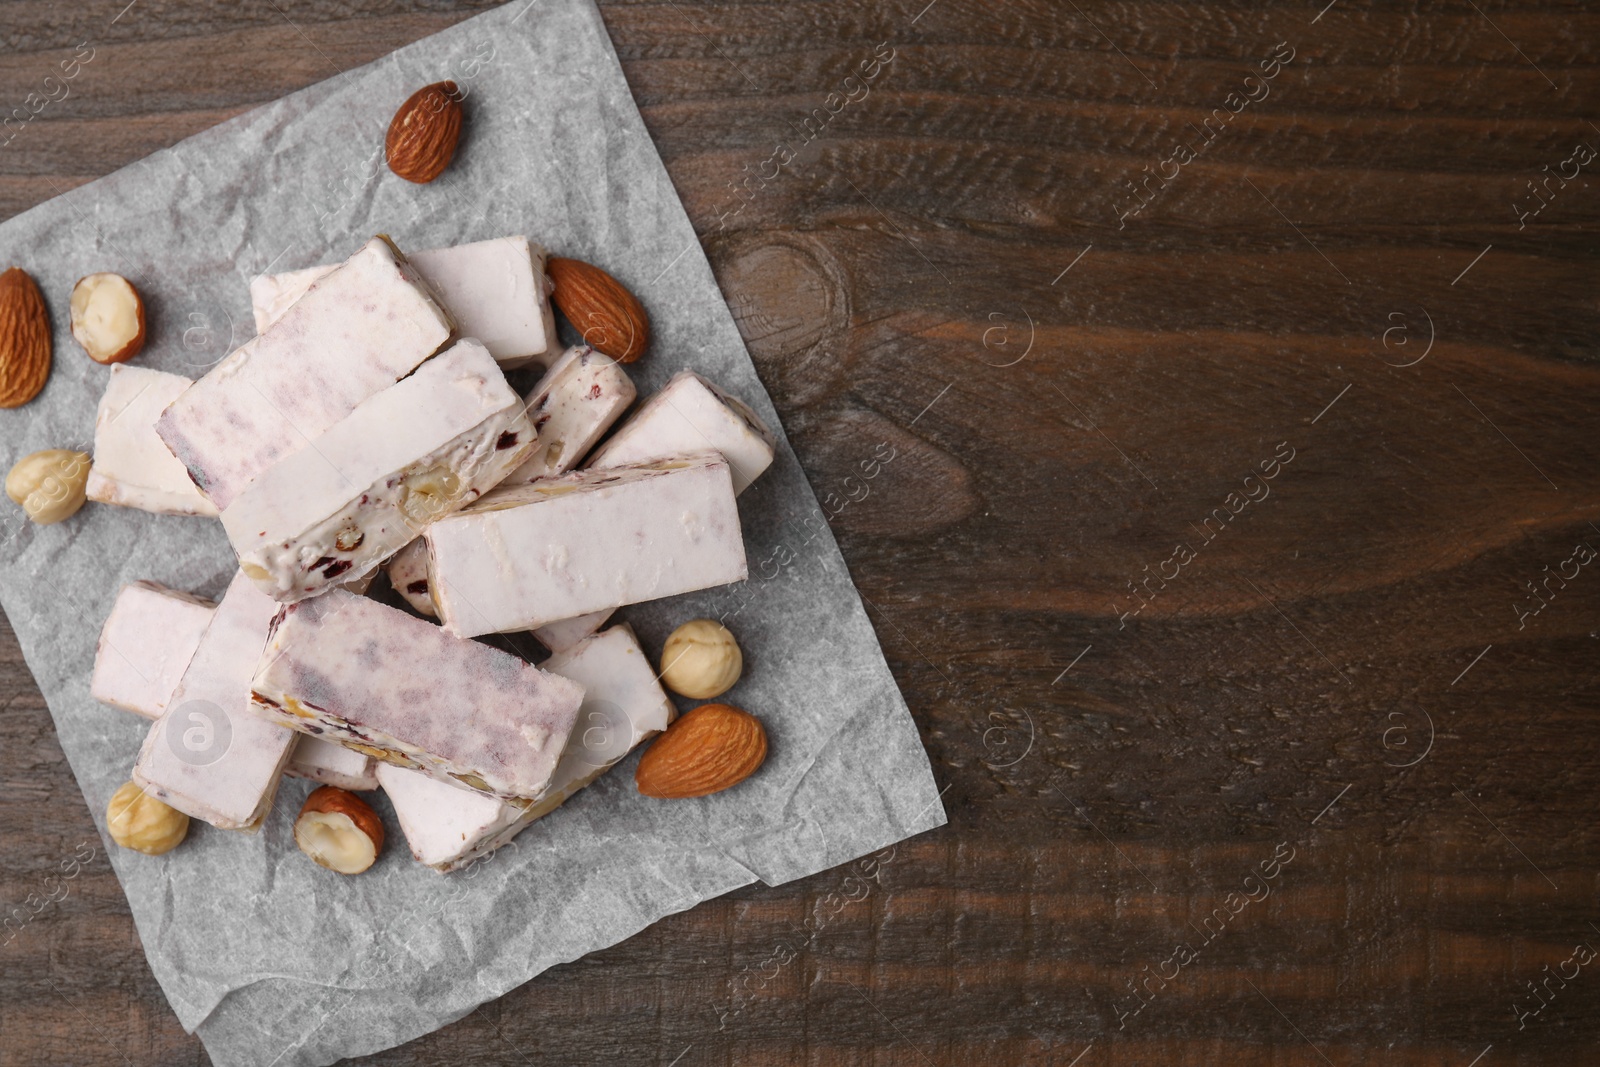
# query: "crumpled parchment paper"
{"type": "Point", "coordinates": [273, 959]}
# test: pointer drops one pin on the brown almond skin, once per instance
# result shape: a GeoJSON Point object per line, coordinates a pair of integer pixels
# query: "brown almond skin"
{"type": "Point", "coordinates": [330, 798]}
{"type": "Point", "coordinates": [423, 133]}
{"type": "Point", "coordinates": [24, 339]}
{"type": "Point", "coordinates": [714, 747]}
{"type": "Point", "coordinates": [611, 319]}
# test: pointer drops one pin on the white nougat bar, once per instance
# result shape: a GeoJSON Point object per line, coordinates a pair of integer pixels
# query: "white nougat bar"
{"type": "Point", "coordinates": [449, 827]}
{"type": "Point", "coordinates": [496, 290]}
{"type": "Point", "coordinates": [690, 414]}
{"type": "Point", "coordinates": [354, 333]}
{"type": "Point", "coordinates": [408, 573]}
{"type": "Point", "coordinates": [400, 689]}
{"type": "Point", "coordinates": [529, 555]}
{"type": "Point", "coordinates": [207, 755]}
{"type": "Point", "coordinates": [623, 705]}
{"type": "Point", "coordinates": [560, 636]}
{"type": "Point", "coordinates": [146, 644]}
{"type": "Point", "coordinates": [573, 405]}
{"type": "Point", "coordinates": [422, 448]}
{"type": "Point", "coordinates": [132, 467]}
{"type": "Point", "coordinates": [331, 764]}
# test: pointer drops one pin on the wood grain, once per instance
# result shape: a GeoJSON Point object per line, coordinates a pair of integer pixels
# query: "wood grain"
{"type": "Point", "coordinates": [1338, 669]}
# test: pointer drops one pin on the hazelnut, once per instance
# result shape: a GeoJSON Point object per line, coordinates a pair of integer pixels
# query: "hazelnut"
{"type": "Point", "coordinates": [50, 484]}
{"type": "Point", "coordinates": [701, 660]}
{"type": "Point", "coordinates": [107, 317]}
{"type": "Point", "coordinates": [339, 830]}
{"type": "Point", "coordinates": [139, 821]}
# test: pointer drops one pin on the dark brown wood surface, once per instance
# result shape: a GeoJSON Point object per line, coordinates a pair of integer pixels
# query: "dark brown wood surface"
{"type": "Point", "coordinates": [1336, 697]}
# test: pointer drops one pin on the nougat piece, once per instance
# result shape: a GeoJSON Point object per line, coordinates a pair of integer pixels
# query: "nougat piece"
{"type": "Point", "coordinates": [408, 573]}
{"type": "Point", "coordinates": [354, 333]}
{"type": "Point", "coordinates": [207, 755]}
{"type": "Point", "coordinates": [375, 679]}
{"type": "Point", "coordinates": [575, 403]}
{"type": "Point", "coordinates": [331, 764]}
{"type": "Point", "coordinates": [560, 636]}
{"type": "Point", "coordinates": [146, 644]}
{"type": "Point", "coordinates": [496, 290]}
{"type": "Point", "coordinates": [449, 827]}
{"type": "Point", "coordinates": [688, 415]}
{"type": "Point", "coordinates": [529, 555]}
{"type": "Point", "coordinates": [420, 449]}
{"type": "Point", "coordinates": [132, 467]}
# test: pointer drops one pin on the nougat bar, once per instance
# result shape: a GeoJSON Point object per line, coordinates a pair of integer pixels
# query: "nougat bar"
{"type": "Point", "coordinates": [448, 827]}
{"type": "Point", "coordinates": [689, 414]}
{"type": "Point", "coordinates": [560, 636]}
{"type": "Point", "coordinates": [420, 449]}
{"type": "Point", "coordinates": [331, 764]}
{"type": "Point", "coordinates": [496, 290]}
{"type": "Point", "coordinates": [207, 755]}
{"type": "Point", "coordinates": [528, 555]}
{"type": "Point", "coordinates": [408, 573]}
{"type": "Point", "coordinates": [400, 689]}
{"type": "Point", "coordinates": [573, 405]}
{"type": "Point", "coordinates": [146, 644]}
{"type": "Point", "coordinates": [132, 467]}
{"type": "Point", "coordinates": [355, 332]}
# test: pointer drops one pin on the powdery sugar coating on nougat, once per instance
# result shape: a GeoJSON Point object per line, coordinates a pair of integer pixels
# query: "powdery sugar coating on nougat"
{"type": "Point", "coordinates": [145, 646]}
{"type": "Point", "coordinates": [573, 405]}
{"type": "Point", "coordinates": [354, 333]}
{"type": "Point", "coordinates": [207, 755]}
{"type": "Point", "coordinates": [496, 290]}
{"type": "Point", "coordinates": [422, 448]}
{"type": "Point", "coordinates": [373, 678]}
{"type": "Point", "coordinates": [688, 415]}
{"type": "Point", "coordinates": [530, 555]}
{"type": "Point", "coordinates": [132, 466]}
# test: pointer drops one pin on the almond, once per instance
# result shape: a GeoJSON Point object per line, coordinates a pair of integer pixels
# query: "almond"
{"type": "Point", "coordinates": [610, 318]}
{"type": "Point", "coordinates": [423, 133]}
{"type": "Point", "coordinates": [712, 748]}
{"type": "Point", "coordinates": [339, 830]}
{"type": "Point", "coordinates": [24, 339]}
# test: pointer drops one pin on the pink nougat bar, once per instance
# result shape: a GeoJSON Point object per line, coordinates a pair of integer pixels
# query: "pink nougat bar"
{"type": "Point", "coordinates": [355, 332]}
{"type": "Point", "coordinates": [386, 683]}
{"type": "Point", "coordinates": [207, 755]}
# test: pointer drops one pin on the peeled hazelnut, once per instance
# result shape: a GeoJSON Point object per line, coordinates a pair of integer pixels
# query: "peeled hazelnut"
{"type": "Point", "coordinates": [339, 830]}
{"type": "Point", "coordinates": [701, 660]}
{"type": "Point", "coordinates": [142, 823]}
{"type": "Point", "coordinates": [107, 317]}
{"type": "Point", "coordinates": [50, 484]}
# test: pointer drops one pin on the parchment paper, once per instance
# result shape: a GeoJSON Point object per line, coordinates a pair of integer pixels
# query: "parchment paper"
{"type": "Point", "coordinates": [273, 959]}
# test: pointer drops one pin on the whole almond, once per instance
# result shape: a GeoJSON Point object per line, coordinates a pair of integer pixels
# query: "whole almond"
{"type": "Point", "coordinates": [423, 133]}
{"type": "Point", "coordinates": [24, 339]}
{"type": "Point", "coordinates": [610, 318]}
{"type": "Point", "coordinates": [712, 748]}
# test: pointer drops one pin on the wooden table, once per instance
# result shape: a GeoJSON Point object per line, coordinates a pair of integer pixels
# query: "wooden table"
{"type": "Point", "coordinates": [1229, 558]}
